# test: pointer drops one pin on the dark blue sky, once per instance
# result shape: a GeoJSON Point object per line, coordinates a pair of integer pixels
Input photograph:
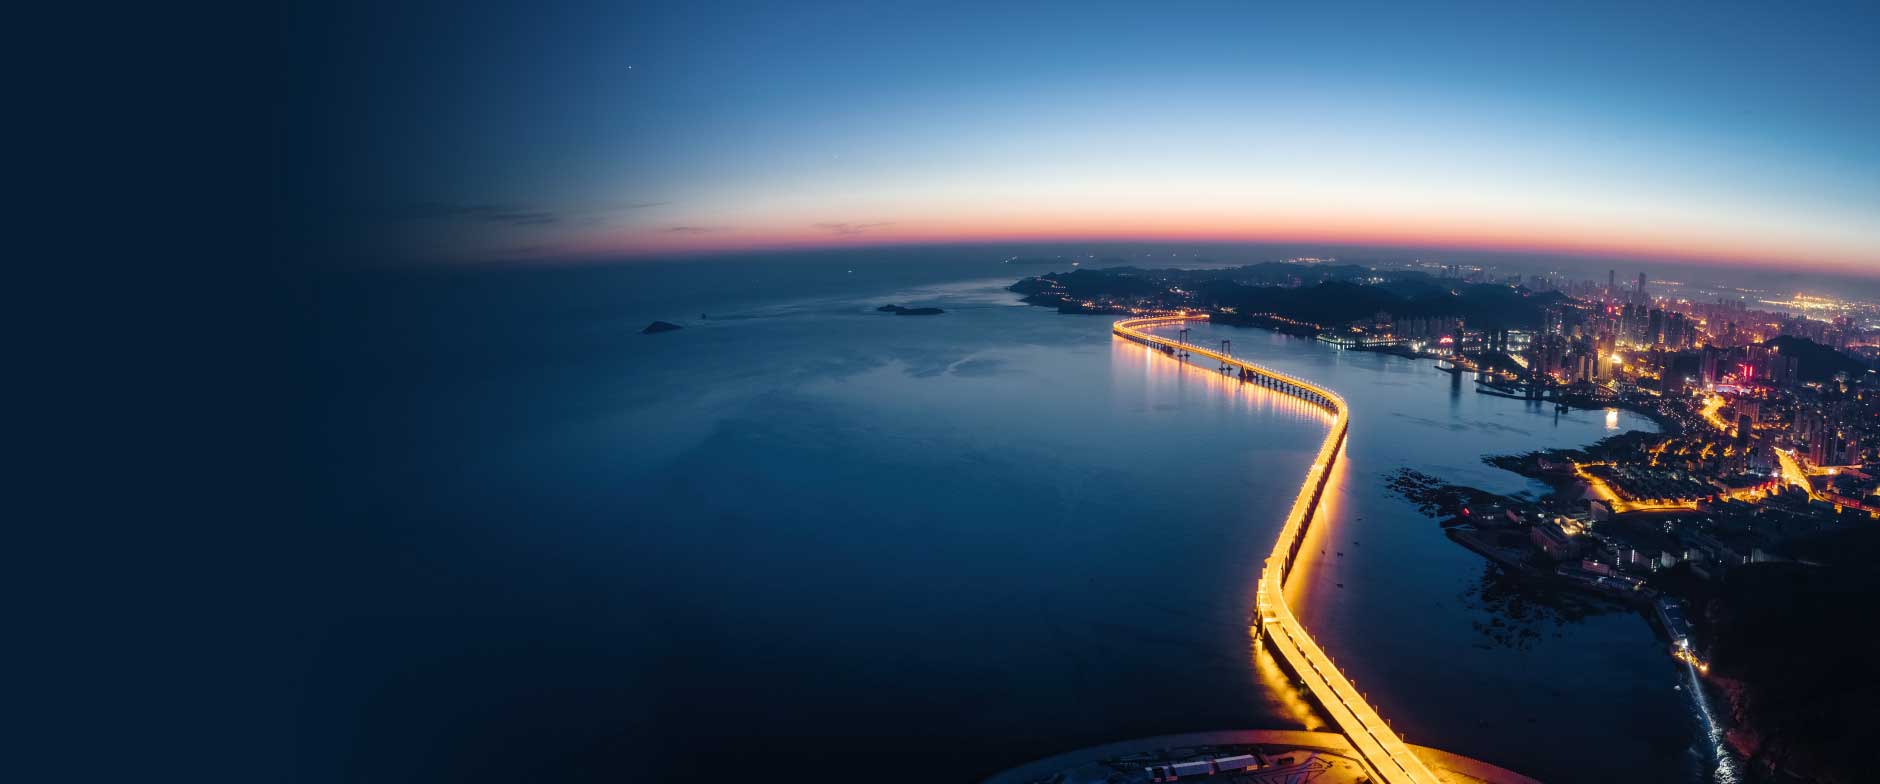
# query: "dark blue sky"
{"type": "Point", "coordinates": [1700, 129]}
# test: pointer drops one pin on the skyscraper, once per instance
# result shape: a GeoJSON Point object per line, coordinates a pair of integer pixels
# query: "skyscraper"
{"type": "Point", "coordinates": [1643, 298]}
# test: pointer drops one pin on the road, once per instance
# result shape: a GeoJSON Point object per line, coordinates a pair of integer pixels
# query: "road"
{"type": "Point", "coordinates": [1382, 750]}
{"type": "Point", "coordinates": [1711, 406]}
{"type": "Point", "coordinates": [1793, 474]}
{"type": "Point", "coordinates": [1620, 505]}
{"type": "Point", "coordinates": [1791, 469]}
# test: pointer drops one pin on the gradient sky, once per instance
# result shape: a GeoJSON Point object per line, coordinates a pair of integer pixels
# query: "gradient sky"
{"type": "Point", "coordinates": [565, 129]}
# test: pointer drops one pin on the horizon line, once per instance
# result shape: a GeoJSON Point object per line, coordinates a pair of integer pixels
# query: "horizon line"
{"type": "Point", "coordinates": [1579, 252]}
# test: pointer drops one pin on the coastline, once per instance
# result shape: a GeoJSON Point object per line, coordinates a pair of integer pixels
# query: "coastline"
{"type": "Point", "coordinates": [1034, 295]}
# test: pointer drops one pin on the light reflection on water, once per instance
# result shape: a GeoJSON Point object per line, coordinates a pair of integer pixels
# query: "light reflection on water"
{"type": "Point", "coordinates": [1256, 401]}
{"type": "Point", "coordinates": [1168, 378]}
{"type": "Point", "coordinates": [1726, 771]}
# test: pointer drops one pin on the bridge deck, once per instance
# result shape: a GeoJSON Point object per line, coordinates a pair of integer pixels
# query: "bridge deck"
{"type": "Point", "coordinates": [1383, 751]}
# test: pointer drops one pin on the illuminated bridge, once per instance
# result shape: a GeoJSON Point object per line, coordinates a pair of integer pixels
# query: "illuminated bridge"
{"type": "Point", "coordinates": [1383, 752]}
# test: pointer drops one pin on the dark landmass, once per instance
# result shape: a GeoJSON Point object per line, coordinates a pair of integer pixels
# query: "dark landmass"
{"type": "Point", "coordinates": [1525, 609]}
{"type": "Point", "coordinates": [1614, 448]}
{"type": "Point", "coordinates": [1055, 288]}
{"type": "Point", "coordinates": [1816, 362]}
{"type": "Point", "coordinates": [1396, 351]}
{"type": "Point", "coordinates": [1042, 260]}
{"type": "Point", "coordinates": [1521, 587]}
{"type": "Point", "coordinates": [660, 326]}
{"type": "Point", "coordinates": [1499, 361]}
{"type": "Point", "coordinates": [1436, 498]}
{"type": "Point", "coordinates": [901, 311]}
{"type": "Point", "coordinates": [1786, 640]}
{"type": "Point", "coordinates": [1484, 306]}
{"type": "Point", "coordinates": [1789, 646]}
{"type": "Point", "coordinates": [1318, 295]}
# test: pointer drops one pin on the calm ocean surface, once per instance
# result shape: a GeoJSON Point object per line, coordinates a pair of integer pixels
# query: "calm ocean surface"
{"type": "Point", "coordinates": [804, 533]}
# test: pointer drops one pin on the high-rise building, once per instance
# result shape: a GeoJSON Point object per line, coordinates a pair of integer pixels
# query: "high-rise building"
{"type": "Point", "coordinates": [1612, 285]}
{"type": "Point", "coordinates": [1547, 355]}
{"type": "Point", "coordinates": [1845, 450]}
{"type": "Point", "coordinates": [1635, 323]}
{"type": "Point", "coordinates": [1821, 448]}
{"type": "Point", "coordinates": [1808, 425]}
{"type": "Point", "coordinates": [1677, 331]}
{"type": "Point", "coordinates": [1643, 298]}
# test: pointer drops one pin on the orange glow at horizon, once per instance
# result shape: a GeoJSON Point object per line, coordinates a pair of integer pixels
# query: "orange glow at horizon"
{"type": "Point", "coordinates": [1377, 231]}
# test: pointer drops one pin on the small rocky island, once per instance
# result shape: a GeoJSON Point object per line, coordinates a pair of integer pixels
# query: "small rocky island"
{"type": "Point", "coordinates": [901, 311]}
{"type": "Point", "coordinates": [660, 326]}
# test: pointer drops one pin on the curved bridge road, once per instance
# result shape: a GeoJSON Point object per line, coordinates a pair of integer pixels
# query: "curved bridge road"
{"type": "Point", "coordinates": [1389, 758]}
